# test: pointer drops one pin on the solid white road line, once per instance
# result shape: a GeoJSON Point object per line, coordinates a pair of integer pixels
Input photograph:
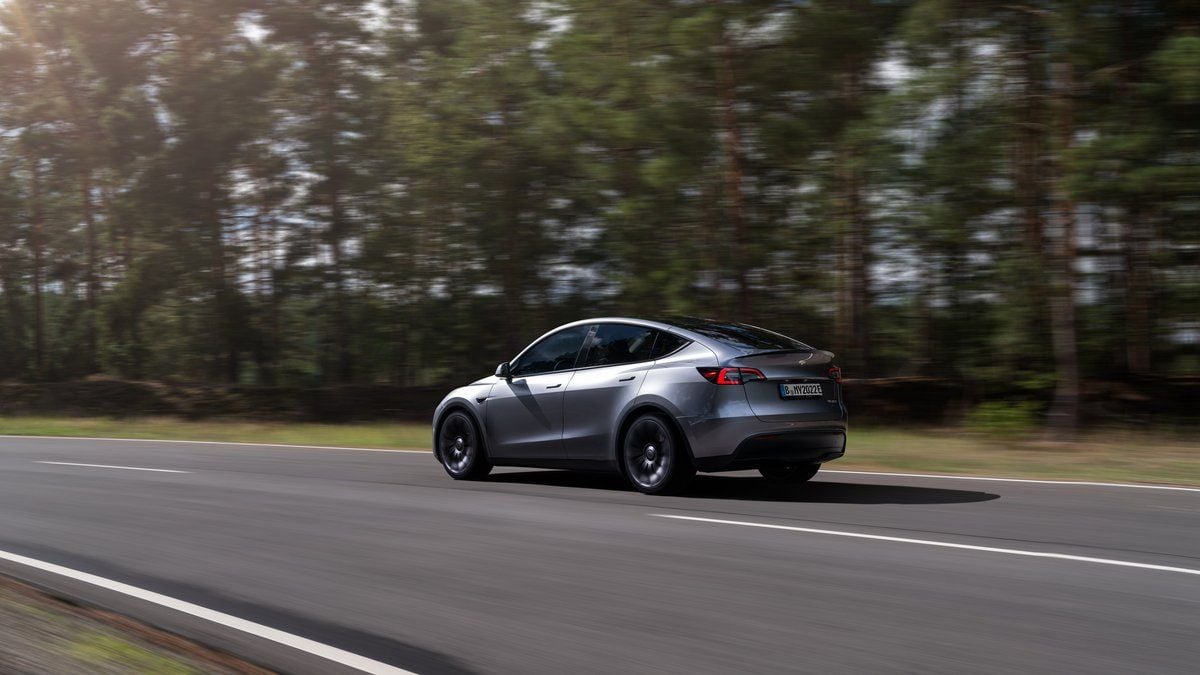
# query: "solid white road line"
{"type": "Point", "coordinates": [110, 466]}
{"type": "Point", "coordinates": [324, 651]}
{"type": "Point", "coordinates": [1017, 480]}
{"type": "Point", "coordinates": [259, 445]}
{"type": "Point", "coordinates": [942, 544]}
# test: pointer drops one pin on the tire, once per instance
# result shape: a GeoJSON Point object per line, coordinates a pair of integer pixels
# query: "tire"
{"type": "Point", "coordinates": [653, 457]}
{"type": "Point", "coordinates": [460, 448]}
{"type": "Point", "coordinates": [789, 473]}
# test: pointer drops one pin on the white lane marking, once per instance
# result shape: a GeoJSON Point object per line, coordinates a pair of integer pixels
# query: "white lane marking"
{"type": "Point", "coordinates": [259, 445]}
{"type": "Point", "coordinates": [324, 651]}
{"type": "Point", "coordinates": [111, 466]}
{"type": "Point", "coordinates": [414, 451]}
{"type": "Point", "coordinates": [1142, 486]}
{"type": "Point", "coordinates": [942, 544]}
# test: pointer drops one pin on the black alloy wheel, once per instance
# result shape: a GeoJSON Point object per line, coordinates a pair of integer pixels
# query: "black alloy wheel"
{"type": "Point", "coordinates": [654, 460]}
{"type": "Point", "coordinates": [461, 449]}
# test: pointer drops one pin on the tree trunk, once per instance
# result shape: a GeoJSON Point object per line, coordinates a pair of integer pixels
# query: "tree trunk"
{"type": "Point", "coordinates": [277, 270]}
{"type": "Point", "coordinates": [92, 279]}
{"type": "Point", "coordinates": [514, 252]}
{"type": "Point", "coordinates": [1136, 231]}
{"type": "Point", "coordinates": [345, 366]}
{"type": "Point", "coordinates": [36, 246]}
{"type": "Point", "coordinates": [261, 266]}
{"type": "Point", "coordinates": [855, 252]}
{"type": "Point", "coordinates": [227, 344]}
{"type": "Point", "coordinates": [1138, 293]}
{"type": "Point", "coordinates": [1029, 178]}
{"type": "Point", "coordinates": [732, 143]}
{"type": "Point", "coordinates": [1064, 413]}
{"type": "Point", "coordinates": [328, 82]}
{"type": "Point", "coordinates": [860, 285]}
{"type": "Point", "coordinates": [120, 238]}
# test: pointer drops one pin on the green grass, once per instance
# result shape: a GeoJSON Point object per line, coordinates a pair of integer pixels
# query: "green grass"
{"type": "Point", "coordinates": [1105, 455]}
{"type": "Point", "coordinates": [358, 435]}
{"type": "Point", "coordinates": [115, 653]}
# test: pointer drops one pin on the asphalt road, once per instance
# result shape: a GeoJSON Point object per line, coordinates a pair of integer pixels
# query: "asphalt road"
{"type": "Point", "coordinates": [382, 555]}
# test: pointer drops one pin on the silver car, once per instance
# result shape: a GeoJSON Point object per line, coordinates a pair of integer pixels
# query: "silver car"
{"type": "Point", "coordinates": [654, 400]}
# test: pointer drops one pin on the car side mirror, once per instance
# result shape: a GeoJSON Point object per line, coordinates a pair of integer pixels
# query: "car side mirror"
{"type": "Point", "coordinates": [503, 370]}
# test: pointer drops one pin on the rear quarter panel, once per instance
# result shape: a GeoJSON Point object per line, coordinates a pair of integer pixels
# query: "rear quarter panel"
{"type": "Point", "coordinates": [697, 405]}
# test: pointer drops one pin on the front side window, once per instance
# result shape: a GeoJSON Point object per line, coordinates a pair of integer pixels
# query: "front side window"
{"type": "Point", "coordinates": [555, 352]}
{"type": "Point", "coordinates": [616, 343]}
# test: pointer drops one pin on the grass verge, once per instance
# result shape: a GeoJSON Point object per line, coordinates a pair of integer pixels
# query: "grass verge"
{"type": "Point", "coordinates": [355, 435]}
{"type": "Point", "coordinates": [1115, 455]}
{"type": "Point", "coordinates": [1119, 455]}
{"type": "Point", "coordinates": [40, 633]}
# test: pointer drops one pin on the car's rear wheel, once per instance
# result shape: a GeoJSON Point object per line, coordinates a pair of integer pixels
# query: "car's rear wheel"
{"type": "Point", "coordinates": [653, 457]}
{"type": "Point", "coordinates": [460, 448]}
{"type": "Point", "coordinates": [789, 473]}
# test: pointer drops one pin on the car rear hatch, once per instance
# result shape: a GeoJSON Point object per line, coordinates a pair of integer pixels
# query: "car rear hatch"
{"type": "Point", "coordinates": [774, 399]}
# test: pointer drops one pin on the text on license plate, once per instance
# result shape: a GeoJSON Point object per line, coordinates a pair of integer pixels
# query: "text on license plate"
{"type": "Point", "coordinates": [800, 390]}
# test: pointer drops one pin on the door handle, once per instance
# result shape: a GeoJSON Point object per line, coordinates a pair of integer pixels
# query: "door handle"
{"type": "Point", "coordinates": [626, 379]}
{"type": "Point", "coordinates": [554, 386]}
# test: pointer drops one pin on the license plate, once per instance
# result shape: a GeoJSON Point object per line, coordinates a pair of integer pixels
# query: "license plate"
{"type": "Point", "coordinates": [800, 390]}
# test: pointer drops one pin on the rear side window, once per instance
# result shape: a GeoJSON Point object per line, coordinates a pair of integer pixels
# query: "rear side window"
{"type": "Point", "coordinates": [615, 343]}
{"type": "Point", "coordinates": [667, 343]}
{"type": "Point", "coordinates": [556, 352]}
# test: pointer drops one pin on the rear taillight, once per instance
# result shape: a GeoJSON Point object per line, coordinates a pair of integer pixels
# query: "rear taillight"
{"type": "Point", "coordinates": [835, 373]}
{"type": "Point", "coordinates": [731, 375]}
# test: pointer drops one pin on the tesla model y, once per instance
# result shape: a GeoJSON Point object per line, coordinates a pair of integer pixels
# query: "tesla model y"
{"type": "Point", "coordinates": [655, 400]}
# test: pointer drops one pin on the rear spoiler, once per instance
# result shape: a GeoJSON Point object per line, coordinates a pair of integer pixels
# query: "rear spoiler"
{"type": "Point", "coordinates": [767, 352]}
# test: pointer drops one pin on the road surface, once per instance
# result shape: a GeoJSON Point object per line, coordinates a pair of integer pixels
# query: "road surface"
{"type": "Point", "coordinates": [380, 557]}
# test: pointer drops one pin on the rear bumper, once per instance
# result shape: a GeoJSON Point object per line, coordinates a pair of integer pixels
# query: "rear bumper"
{"type": "Point", "coordinates": [808, 446]}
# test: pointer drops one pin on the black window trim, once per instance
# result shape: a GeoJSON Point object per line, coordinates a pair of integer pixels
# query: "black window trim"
{"type": "Point", "coordinates": [581, 356]}
{"type": "Point", "coordinates": [596, 327]}
{"type": "Point", "coordinates": [686, 341]}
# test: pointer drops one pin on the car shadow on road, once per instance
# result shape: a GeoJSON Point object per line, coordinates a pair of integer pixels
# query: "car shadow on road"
{"type": "Point", "coordinates": [753, 488]}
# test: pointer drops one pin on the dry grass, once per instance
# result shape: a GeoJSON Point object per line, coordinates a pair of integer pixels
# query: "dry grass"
{"type": "Point", "coordinates": [40, 633]}
{"type": "Point", "coordinates": [1119, 455]}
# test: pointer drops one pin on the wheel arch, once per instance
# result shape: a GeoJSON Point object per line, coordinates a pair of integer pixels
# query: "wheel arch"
{"type": "Point", "coordinates": [635, 411]}
{"type": "Point", "coordinates": [466, 409]}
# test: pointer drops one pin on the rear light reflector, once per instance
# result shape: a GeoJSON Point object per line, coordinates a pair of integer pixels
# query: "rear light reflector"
{"type": "Point", "coordinates": [731, 375]}
{"type": "Point", "coordinates": [835, 373]}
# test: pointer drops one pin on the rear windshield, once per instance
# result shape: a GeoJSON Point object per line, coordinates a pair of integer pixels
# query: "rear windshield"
{"type": "Point", "coordinates": [739, 335]}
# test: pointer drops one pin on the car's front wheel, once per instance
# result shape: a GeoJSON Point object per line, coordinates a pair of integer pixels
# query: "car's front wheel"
{"type": "Point", "coordinates": [460, 447]}
{"type": "Point", "coordinates": [653, 457]}
{"type": "Point", "coordinates": [789, 473]}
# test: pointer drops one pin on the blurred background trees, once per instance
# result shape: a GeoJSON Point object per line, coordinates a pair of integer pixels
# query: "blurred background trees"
{"type": "Point", "coordinates": [290, 191]}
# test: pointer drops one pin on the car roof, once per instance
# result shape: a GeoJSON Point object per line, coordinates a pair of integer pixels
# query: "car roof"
{"type": "Point", "coordinates": [620, 319]}
{"type": "Point", "coordinates": [678, 325]}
